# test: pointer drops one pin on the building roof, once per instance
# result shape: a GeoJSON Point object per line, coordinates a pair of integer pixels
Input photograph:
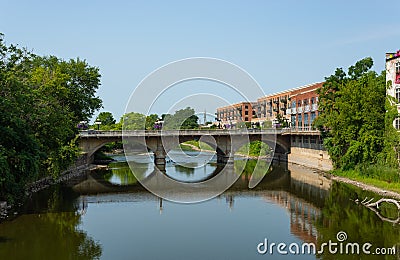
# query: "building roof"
{"type": "Point", "coordinates": [291, 90]}
{"type": "Point", "coordinates": [392, 55]}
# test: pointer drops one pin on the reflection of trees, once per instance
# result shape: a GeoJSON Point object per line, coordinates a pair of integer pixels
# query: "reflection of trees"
{"type": "Point", "coordinates": [255, 148]}
{"type": "Point", "coordinates": [49, 235]}
{"type": "Point", "coordinates": [123, 172]}
{"type": "Point", "coordinates": [183, 169]}
{"type": "Point", "coordinates": [250, 167]}
{"type": "Point", "coordinates": [362, 225]}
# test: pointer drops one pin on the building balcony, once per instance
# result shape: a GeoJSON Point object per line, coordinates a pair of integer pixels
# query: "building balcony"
{"type": "Point", "coordinates": [314, 107]}
{"type": "Point", "coordinates": [288, 111]}
{"type": "Point", "coordinates": [307, 108]}
{"type": "Point", "coordinates": [293, 110]}
{"type": "Point", "coordinates": [300, 110]}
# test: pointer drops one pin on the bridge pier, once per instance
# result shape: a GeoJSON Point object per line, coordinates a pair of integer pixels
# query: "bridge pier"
{"type": "Point", "coordinates": [225, 159]}
{"type": "Point", "coordinates": [159, 157]}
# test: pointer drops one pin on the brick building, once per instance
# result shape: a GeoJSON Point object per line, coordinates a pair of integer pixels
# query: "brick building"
{"type": "Point", "coordinates": [298, 106]}
{"type": "Point", "coordinates": [230, 115]}
{"type": "Point", "coordinates": [303, 106]}
{"type": "Point", "coordinates": [268, 107]}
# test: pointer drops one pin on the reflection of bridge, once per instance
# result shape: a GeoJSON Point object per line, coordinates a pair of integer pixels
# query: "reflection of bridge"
{"type": "Point", "coordinates": [301, 194]}
{"type": "Point", "coordinates": [225, 142]}
{"type": "Point", "coordinates": [95, 183]}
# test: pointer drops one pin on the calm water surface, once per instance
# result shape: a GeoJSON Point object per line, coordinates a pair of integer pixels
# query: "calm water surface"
{"type": "Point", "coordinates": [108, 215]}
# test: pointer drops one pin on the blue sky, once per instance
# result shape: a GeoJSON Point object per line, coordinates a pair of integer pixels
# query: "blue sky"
{"type": "Point", "coordinates": [282, 44]}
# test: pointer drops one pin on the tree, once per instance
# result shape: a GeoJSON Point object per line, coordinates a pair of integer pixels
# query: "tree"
{"type": "Point", "coordinates": [282, 121]}
{"type": "Point", "coordinates": [150, 121]}
{"type": "Point", "coordinates": [106, 118]}
{"type": "Point", "coordinates": [42, 99]}
{"type": "Point", "coordinates": [182, 119]}
{"type": "Point", "coordinates": [133, 121]}
{"type": "Point", "coordinates": [353, 116]}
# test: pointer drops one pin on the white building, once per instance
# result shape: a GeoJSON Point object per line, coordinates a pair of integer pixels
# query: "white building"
{"type": "Point", "coordinates": [393, 76]}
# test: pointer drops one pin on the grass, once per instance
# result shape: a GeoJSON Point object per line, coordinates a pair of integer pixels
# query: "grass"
{"type": "Point", "coordinates": [198, 144]}
{"type": "Point", "coordinates": [185, 147]}
{"type": "Point", "coordinates": [377, 175]}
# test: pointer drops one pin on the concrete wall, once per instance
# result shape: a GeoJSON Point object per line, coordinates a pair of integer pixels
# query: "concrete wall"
{"type": "Point", "coordinates": [317, 159]}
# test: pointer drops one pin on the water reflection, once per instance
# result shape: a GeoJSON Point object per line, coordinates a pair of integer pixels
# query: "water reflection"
{"type": "Point", "coordinates": [291, 204]}
{"type": "Point", "coordinates": [48, 232]}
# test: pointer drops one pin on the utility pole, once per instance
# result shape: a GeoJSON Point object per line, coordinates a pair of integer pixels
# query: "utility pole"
{"type": "Point", "coordinates": [205, 116]}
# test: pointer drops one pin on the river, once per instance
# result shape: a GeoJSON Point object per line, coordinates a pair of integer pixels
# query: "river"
{"type": "Point", "coordinates": [107, 214]}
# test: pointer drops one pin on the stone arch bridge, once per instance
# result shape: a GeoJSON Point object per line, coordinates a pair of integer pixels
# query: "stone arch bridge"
{"type": "Point", "coordinates": [225, 142]}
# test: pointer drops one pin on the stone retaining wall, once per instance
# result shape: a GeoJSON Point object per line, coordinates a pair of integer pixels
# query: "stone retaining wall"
{"type": "Point", "coordinates": [316, 159]}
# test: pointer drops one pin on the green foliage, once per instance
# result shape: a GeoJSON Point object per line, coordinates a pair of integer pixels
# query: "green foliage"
{"type": "Point", "coordinates": [198, 145]}
{"type": "Point", "coordinates": [341, 213]}
{"type": "Point", "coordinates": [150, 121]}
{"type": "Point", "coordinates": [42, 99]}
{"type": "Point", "coordinates": [255, 148]}
{"type": "Point", "coordinates": [267, 124]}
{"type": "Point", "coordinates": [182, 119]}
{"type": "Point", "coordinates": [137, 121]}
{"type": "Point", "coordinates": [133, 121]}
{"type": "Point", "coordinates": [106, 119]}
{"type": "Point", "coordinates": [353, 119]}
{"type": "Point", "coordinates": [281, 120]}
{"type": "Point", "coordinates": [256, 168]}
{"type": "Point", "coordinates": [241, 125]}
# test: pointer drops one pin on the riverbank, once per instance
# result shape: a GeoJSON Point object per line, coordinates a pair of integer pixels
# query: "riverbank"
{"type": "Point", "coordinates": [379, 187]}
{"type": "Point", "coordinates": [368, 187]}
{"type": "Point", "coordinates": [191, 147]}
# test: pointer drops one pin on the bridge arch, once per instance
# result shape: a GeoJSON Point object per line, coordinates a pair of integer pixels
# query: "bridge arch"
{"type": "Point", "coordinates": [160, 143]}
{"type": "Point", "coordinates": [94, 144]}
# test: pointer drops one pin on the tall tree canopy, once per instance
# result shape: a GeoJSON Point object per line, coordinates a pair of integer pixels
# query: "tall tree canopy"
{"type": "Point", "coordinates": [42, 99]}
{"type": "Point", "coordinates": [356, 118]}
{"type": "Point", "coordinates": [182, 119]}
{"type": "Point", "coordinates": [106, 118]}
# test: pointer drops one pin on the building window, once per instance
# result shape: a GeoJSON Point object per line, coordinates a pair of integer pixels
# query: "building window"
{"type": "Point", "coordinates": [312, 100]}
{"type": "Point", "coordinates": [397, 123]}
{"type": "Point", "coordinates": [246, 107]}
{"type": "Point", "coordinates": [305, 102]}
{"type": "Point", "coordinates": [246, 112]}
{"type": "Point", "coordinates": [312, 117]}
{"type": "Point", "coordinates": [293, 104]}
{"type": "Point", "coordinates": [397, 79]}
{"type": "Point", "coordinates": [398, 94]}
{"type": "Point", "coordinates": [299, 103]}
{"type": "Point", "coordinates": [305, 120]}
{"type": "Point", "coordinates": [299, 121]}
{"type": "Point", "coordinates": [293, 121]}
